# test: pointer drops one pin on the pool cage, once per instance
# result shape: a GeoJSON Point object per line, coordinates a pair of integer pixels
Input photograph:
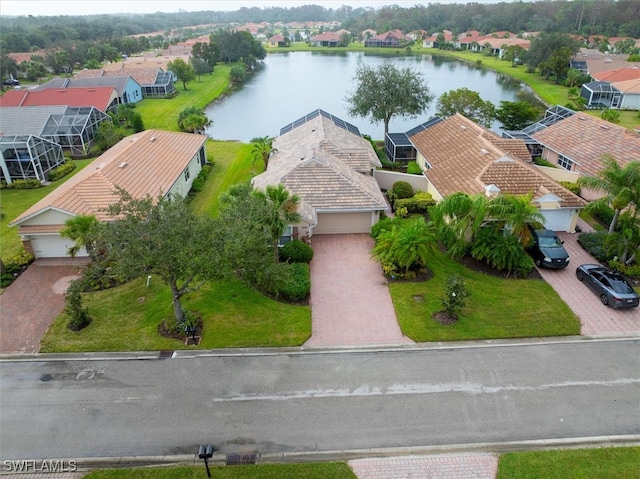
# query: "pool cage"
{"type": "Point", "coordinates": [75, 129]}
{"type": "Point", "coordinates": [28, 157]}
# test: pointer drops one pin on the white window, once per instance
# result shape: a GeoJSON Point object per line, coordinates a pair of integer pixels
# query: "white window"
{"type": "Point", "coordinates": [287, 235]}
{"type": "Point", "coordinates": [565, 163]}
{"type": "Point", "coordinates": [186, 174]}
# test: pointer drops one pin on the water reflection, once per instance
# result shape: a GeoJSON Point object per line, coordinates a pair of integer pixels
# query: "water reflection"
{"type": "Point", "coordinates": [292, 84]}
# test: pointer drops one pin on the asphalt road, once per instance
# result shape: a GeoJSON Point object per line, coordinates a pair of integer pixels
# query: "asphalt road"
{"type": "Point", "coordinates": [319, 401]}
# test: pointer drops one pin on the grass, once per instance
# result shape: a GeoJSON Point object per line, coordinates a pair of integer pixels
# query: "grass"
{"type": "Point", "coordinates": [15, 202]}
{"type": "Point", "coordinates": [126, 318]}
{"type": "Point", "coordinates": [162, 114]}
{"type": "Point", "coordinates": [328, 470]}
{"type": "Point", "coordinates": [604, 463]}
{"type": "Point", "coordinates": [497, 308]}
{"type": "Point", "coordinates": [232, 164]}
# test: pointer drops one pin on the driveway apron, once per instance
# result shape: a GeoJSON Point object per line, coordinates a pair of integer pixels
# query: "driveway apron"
{"type": "Point", "coordinates": [596, 319]}
{"type": "Point", "coordinates": [32, 302]}
{"type": "Point", "coordinates": [350, 300]}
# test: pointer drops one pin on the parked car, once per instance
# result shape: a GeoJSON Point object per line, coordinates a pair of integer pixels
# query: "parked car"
{"type": "Point", "coordinates": [11, 82]}
{"type": "Point", "coordinates": [612, 288]}
{"type": "Point", "coordinates": [547, 250]}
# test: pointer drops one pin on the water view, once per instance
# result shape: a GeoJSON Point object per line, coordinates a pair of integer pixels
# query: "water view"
{"type": "Point", "coordinates": [292, 84]}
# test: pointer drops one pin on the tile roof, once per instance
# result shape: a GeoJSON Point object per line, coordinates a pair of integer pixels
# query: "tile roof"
{"type": "Point", "coordinates": [619, 74]}
{"type": "Point", "coordinates": [144, 76]}
{"type": "Point", "coordinates": [584, 139]}
{"type": "Point", "coordinates": [465, 157]}
{"type": "Point", "coordinates": [98, 97]}
{"type": "Point", "coordinates": [149, 162]}
{"type": "Point", "coordinates": [628, 86]}
{"type": "Point", "coordinates": [326, 37]}
{"type": "Point", "coordinates": [324, 164]}
{"type": "Point", "coordinates": [117, 82]}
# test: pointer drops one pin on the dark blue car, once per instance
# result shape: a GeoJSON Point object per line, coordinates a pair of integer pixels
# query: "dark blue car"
{"type": "Point", "coordinates": [547, 250]}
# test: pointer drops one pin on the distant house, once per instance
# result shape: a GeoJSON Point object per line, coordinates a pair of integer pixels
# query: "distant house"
{"type": "Point", "coordinates": [617, 89]}
{"type": "Point", "coordinates": [457, 155]}
{"type": "Point", "coordinates": [150, 163]}
{"type": "Point", "coordinates": [277, 41]}
{"type": "Point", "coordinates": [154, 81]}
{"type": "Point", "coordinates": [128, 89]}
{"type": "Point", "coordinates": [327, 163]}
{"type": "Point", "coordinates": [391, 39]}
{"type": "Point", "coordinates": [326, 39]}
{"type": "Point", "coordinates": [102, 98]}
{"type": "Point", "coordinates": [368, 33]}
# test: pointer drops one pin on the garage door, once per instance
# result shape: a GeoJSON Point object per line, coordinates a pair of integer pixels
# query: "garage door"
{"type": "Point", "coordinates": [51, 246]}
{"type": "Point", "coordinates": [343, 223]}
{"type": "Point", "coordinates": [557, 220]}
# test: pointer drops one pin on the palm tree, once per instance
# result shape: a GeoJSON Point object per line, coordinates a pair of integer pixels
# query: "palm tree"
{"type": "Point", "coordinates": [81, 230]}
{"type": "Point", "coordinates": [408, 246]}
{"type": "Point", "coordinates": [193, 120]}
{"type": "Point", "coordinates": [620, 185]}
{"type": "Point", "coordinates": [283, 212]}
{"type": "Point", "coordinates": [459, 217]}
{"type": "Point", "coordinates": [263, 149]}
{"type": "Point", "coordinates": [514, 214]}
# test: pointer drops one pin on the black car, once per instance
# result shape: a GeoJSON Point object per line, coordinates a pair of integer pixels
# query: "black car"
{"type": "Point", "coordinates": [11, 82]}
{"type": "Point", "coordinates": [612, 288]}
{"type": "Point", "coordinates": [547, 250]}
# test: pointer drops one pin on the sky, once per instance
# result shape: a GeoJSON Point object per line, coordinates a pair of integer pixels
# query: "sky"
{"type": "Point", "coordinates": [89, 7]}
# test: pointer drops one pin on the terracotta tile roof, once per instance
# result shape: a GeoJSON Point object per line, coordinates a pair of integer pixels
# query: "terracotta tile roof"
{"type": "Point", "coordinates": [326, 37]}
{"type": "Point", "coordinates": [584, 139]}
{"type": "Point", "coordinates": [145, 163]}
{"type": "Point", "coordinates": [628, 86]}
{"type": "Point", "coordinates": [619, 74]}
{"type": "Point", "coordinates": [322, 163]}
{"type": "Point", "coordinates": [99, 97]}
{"type": "Point", "coordinates": [465, 157]}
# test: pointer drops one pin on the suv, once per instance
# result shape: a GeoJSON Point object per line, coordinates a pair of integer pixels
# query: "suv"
{"type": "Point", "coordinates": [547, 250]}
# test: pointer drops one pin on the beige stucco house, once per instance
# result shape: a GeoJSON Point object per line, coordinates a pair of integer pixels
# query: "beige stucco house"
{"type": "Point", "coordinates": [152, 162]}
{"type": "Point", "coordinates": [327, 163]}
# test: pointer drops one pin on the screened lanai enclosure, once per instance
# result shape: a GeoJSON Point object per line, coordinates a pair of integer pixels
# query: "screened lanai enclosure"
{"type": "Point", "coordinates": [28, 157]}
{"type": "Point", "coordinates": [75, 129]}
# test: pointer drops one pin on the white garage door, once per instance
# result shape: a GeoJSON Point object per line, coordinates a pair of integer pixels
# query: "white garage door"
{"type": "Point", "coordinates": [557, 220]}
{"type": "Point", "coordinates": [343, 223]}
{"type": "Point", "coordinates": [50, 246]}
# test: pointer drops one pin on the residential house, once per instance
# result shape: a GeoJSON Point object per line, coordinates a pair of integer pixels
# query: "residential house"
{"type": "Point", "coordinates": [327, 163]}
{"type": "Point", "coordinates": [326, 39]}
{"type": "Point", "coordinates": [277, 41]}
{"type": "Point", "coordinates": [152, 162]}
{"type": "Point", "coordinates": [432, 40]}
{"type": "Point", "coordinates": [154, 81]}
{"type": "Point", "coordinates": [101, 98]}
{"type": "Point", "coordinates": [617, 89]}
{"type": "Point", "coordinates": [368, 33]}
{"type": "Point", "coordinates": [391, 39]}
{"type": "Point", "coordinates": [457, 155]}
{"type": "Point", "coordinates": [128, 89]}
{"type": "Point", "coordinates": [33, 139]}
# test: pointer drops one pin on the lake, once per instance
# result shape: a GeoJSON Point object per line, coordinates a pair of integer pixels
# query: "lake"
{"type": "Point", "coordinates": [292, 84]}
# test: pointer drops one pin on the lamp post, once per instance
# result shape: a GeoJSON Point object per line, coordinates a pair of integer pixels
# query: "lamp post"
{"type": "Point", "coordinates": [205, 453]}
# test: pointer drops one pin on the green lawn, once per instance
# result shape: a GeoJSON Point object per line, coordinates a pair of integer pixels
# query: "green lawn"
{"type": "Point", "coordinates": [497, 308]}
{"type": "Point", "coordinates": [126, 318]}
{"type": "Point", "coordinates": [162, 114]}
{"type": "Point", "coordinates": [601, 463]}
{"type": "Point", "coordinates": [328, 470]}
{"type": "Point", "coordinates": [15, 202]}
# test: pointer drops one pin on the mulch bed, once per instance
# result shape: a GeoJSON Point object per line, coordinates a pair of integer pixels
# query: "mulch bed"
{"type": "Point", "coordinates": [482, 267]}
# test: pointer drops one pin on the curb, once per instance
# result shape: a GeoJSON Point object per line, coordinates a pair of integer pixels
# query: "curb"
{"type": "Point", "coordinates": [88, 464]}
{"type": "Point", "coordinates": [301, 350]}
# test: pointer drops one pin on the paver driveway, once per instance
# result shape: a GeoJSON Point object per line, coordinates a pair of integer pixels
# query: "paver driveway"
{"type": "Point", "coordinates": [350, 300]}
{"type": "Point", "coordinates": [595, 318]}
{"type": "Point", "coordinates": [32, 302]}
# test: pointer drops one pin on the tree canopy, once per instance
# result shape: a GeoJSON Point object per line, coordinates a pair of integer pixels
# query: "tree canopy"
{"type": "Point", "coordinates": [387, 91]}
{"type": "Point", "coordinates": [182, 70]}
{"type": "Point", "coordinates": [468, 103]}
{"type": "Point", "coordinates": [516, 115]}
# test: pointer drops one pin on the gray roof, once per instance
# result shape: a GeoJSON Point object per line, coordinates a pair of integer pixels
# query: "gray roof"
{"type": "Point", "coordinates": [117, 82]}
{"type": "Point", "coordinates": [326, 166]}
{"type": "Point", "coordinates": [27, 120]}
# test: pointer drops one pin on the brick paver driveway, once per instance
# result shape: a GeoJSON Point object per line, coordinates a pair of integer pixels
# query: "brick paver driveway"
{"type": "Point", "coordinates": [32, 302]}
{"type": "Point", "coordinates": [595, 318]}
{"type": "Point", "coordinates": [350, 300]}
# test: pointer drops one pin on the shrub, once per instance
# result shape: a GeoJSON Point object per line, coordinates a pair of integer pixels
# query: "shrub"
{"type": "Point", "coordinates": [62, 170]}
{"type": "Point", "coordinates": [296, 251]}
{"type": "Point", "coordinates": [385, 224]}
{"type": "Point", "coordinates": [602, 213]}
{"type": "Point", "coordinates": [630, 270]}
{"type": "Point", "coordinates": [593, 243]}
{"type": "Point", "coordinates": [78, 315]}
{"type": "Point", "coordinates": [455, 295]}
{"type": "Point", "coordinates": [401, 190]}
{"type": "Point", "coordinates": [413, 168]}
{"type": "Point", "coordinates": [418, 203]}
{"type": "Point", "coordinates": [571, 186]}
{"type": "Point", "coordinates": [543, 162]}
{"type": "Point", "coordinates": [13, 266]}
{"type": "Point", "coordinates": [200, 180]}
{"type": "Point", "coordinates": [31, 184]}
{"type": "Point", "coordinates": [501, 252]}
{"type": "Point", "coordinates": [296, 285]}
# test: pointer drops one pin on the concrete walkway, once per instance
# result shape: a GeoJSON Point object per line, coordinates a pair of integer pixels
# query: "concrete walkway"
{"type": "Point", "coordinates": [595, 318]}
{"type": "Point", "coordinates": [32, 302]}
{"type": "Point", "coordinates": [350, 300]}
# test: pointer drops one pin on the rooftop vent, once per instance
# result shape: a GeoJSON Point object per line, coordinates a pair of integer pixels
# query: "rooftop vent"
{"type": "Point", "coordinates": [483, 151]}
{"type": "Point", "coordinates": [122, 165]}
{"type": "Point", "coordinates": [152, 139]}
{"type": "Point", "coordinates": [462, 127]}
{"type": "Point", "coordinates": [491, 190]}
{"type": "Point", "coordinates": [604, 127]}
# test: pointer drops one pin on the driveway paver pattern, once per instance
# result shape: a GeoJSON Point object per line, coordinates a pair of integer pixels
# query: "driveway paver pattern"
{"type": "Point", "coordinates": [596, 319]}
{"type": "Point", "coordinates": [446, 466]}
{"type": "Point", "coordinates": [31, 303]}
{"type": "Point", "coordinates": [350, 300]}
